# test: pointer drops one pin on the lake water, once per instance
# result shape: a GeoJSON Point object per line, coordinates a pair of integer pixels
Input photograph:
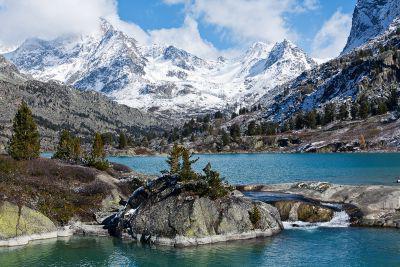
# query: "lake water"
{"type": "Point", "coordinates": [307, 246]}
{"type": "Point", "coordinates": [316, 247]}
{"type": "Point", "coordinates": [366, 168]}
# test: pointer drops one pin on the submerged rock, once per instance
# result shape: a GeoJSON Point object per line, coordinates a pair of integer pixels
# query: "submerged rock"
{"type": "Point", "coordinates": [165, 212]}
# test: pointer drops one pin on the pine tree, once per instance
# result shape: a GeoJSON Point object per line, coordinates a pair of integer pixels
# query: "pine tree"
{"type": "Point", "coordinates": [311, 119]}
{"type": "Point", "coordinates": [329, 113]}
{"type": "Point", "coordinates": [364, 108]}
{"type": "Point", "coordinates": [174, 159]}
{"type": "Point", "coordinates": [24, 143]}
{"type": "Point", "coordinates": [343, 112]}
{"type": "Point", "coordinates": [235, 131]}
{"type": "Point", "coordinates": [355, 109]}
{"type": "Point", "coordinates": [299, 121]}
{"type": "Point", "coordinates": [65, 146]}
{"type": "Point", "coordinates": [382, 108]}
{"type": "Point", "coordinates": [252, 128]}
{"type": "Point", "coordinates": [226, 139]}
{"type": "Point", "coordinates": [186, 172]}
{"type": "Point", "coordinates": [122, 141]}
{"type": "Point", "coordinates": [98, 152]}
{"type": "Point", "coordinates": [393, 100]}
{"type": "Point", "coordinates": [76, 149]}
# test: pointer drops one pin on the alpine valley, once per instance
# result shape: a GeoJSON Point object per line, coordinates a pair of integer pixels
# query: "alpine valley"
{"type": "Point", "coordinates": [272, 89]}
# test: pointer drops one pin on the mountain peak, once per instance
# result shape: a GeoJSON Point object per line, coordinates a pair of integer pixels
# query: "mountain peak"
{"type": "Point", "coordinates": [371, 18]}
{"type": "Point", "coordinates": [258, 50]}
{"type": "Point", "coordinates": [105, 25]}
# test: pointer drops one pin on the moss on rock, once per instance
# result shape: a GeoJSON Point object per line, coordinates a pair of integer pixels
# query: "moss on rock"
{"type": "Point", "coordinates": [25, 221]}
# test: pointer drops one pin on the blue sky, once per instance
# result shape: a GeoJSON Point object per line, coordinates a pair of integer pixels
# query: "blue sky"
{"type": "Point", "coordinates": [157, 14]}
{"type": "Point", "coordinates": [207, 28]}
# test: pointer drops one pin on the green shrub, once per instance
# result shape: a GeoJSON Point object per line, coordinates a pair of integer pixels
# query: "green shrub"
{"type": "Point", "coordinates": [255, 216]}
{"type": "Point", "coordinates": [100, 164]}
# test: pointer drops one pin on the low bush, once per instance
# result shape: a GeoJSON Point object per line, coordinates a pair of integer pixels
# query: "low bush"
{"type": "Point", "coordinates": [255, 216]}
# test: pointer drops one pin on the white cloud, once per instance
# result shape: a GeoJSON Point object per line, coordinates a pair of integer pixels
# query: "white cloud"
{"type": "Point", "coordinates": [186, 37]}
{"type": "Point", "coordinates": [331, 38]}
{"type": "Point", "coordinates": [311, 4]}
{"type": "Point", "coordinates": [245, 21]}
{"type": "Point", "coordinates": [21, 19]}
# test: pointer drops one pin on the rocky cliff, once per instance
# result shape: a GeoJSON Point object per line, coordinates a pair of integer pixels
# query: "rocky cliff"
{"type": "Point", "coordinates": [371, 18]}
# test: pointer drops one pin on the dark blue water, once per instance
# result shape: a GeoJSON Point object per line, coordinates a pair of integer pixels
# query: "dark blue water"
{"type": "Point", "coordinates": [318, 247]}
{"type": "Point", "coordinates": [284, 168]}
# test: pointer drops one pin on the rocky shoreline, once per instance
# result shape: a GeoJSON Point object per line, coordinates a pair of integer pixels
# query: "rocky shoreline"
{"type": "Point", "coordinates": [167, 211]}
{"type": "Point", "coordinates": [375, 205]}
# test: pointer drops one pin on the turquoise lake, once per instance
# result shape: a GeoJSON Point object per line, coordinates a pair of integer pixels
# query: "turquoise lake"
{"type": "Point", "coordinates": [317, 247]}
{"type": "Point", "coordinates": [368, 168]}
{"type": "Point", "coordinates": [345, 246]}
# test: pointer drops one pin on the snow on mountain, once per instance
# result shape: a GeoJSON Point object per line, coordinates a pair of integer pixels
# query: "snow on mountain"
{"type": "Point", "coordinates": [370, 71]}
{"type": "Point", "coordinates": [160, 77]}
{"type": "Point", "coordinates": [371, 18]}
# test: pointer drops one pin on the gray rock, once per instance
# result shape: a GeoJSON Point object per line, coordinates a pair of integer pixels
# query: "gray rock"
{"type": "Point", "coordinates": [370, 205]}
{"type": "Point", "coordinates": [164, 212]}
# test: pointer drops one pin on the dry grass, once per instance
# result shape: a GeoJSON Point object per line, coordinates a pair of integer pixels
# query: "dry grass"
{"type": "Point", "coordinates": [57, 190]}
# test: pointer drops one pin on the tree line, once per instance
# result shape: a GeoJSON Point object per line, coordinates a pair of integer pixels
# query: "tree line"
{"type": "Point", "coordinates": [25, 143]}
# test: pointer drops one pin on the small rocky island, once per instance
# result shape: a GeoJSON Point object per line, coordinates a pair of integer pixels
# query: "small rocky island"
{"type": "Point", "coordinates": [183, 208]}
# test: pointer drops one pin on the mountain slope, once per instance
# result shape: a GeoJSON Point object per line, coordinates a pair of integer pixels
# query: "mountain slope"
{"type": "Point", "coordinates": [57, 106]}
{"type": "Point", "coordinates": [371, 72]}
{"type": "Point", "coordinates": [160, 78]}
{"type": "Point", "coordinates": [371, 18]}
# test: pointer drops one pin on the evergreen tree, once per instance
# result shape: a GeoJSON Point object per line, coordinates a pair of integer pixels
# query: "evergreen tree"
{"type": "Point", "coordinates": [382, 108]}
{"type": "Point", "coordinates": [311, 119]}
{"type": "Point", "coordinates": [393, 100]}
{"type": "Point", "coordinates": [218, 115]}
{"type": "Point", "coordinates": [299, 121]}
{"type": "Point", "coordinates": [355, 109]}
{"type": "Point", "coordinates": [343, 112]}
{"type": "Point", "coordinates": [252, 128]}
{"type": "Point", "coordinates": [235, 131]}
{"type": "Point", "coordinates": [216, 188]}
{"type": "Point", "coordinates": [226, 139]}
{"type": "Point", "coordinates": [76, 149]}
{"type": "Point", "coordinates": [98, 152]}
{"type": "Point", "coordinates": [65, 146]}
{"type": "Point", "coordinates": [122, 141]}
{"type": "Point", "coordinates": [145, 142]}
{"type": "Point", "coordinates": [186, 172]}
{"type": "Point", "coordinates": [269, 128]}
{"type": "Point", "coordinates": [107, 138]}
{"type": "Point", "coordinates": [364, 108]}
{"type": "Point", "coordinates": [319, 119]}
{"type": "Point", "coordinates": [174, 159]}
{"type": "Point", "coordinates": [329, 113]}
{"type": "Point", "coordinates": [24, 143]}
{"type": "Point", "coordinates": [234, 115]}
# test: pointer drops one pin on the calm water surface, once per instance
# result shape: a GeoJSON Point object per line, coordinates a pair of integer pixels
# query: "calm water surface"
{"type": "Point", "coordinates": [294, 247]}
{"type": "Point", "coordinates": [283, 168]}
{"type": "Point", "coordinates": [318, 247]}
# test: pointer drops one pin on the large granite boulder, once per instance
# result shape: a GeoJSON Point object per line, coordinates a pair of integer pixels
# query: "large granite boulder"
{"type": "Point", "coordinates": [19, 225]}
{"type": "Point", "coordinates": [167, 213]}
{"type": "Point", "coordinates": [305, 212]}
{"type": "Point", "coordinates": [367, 205]}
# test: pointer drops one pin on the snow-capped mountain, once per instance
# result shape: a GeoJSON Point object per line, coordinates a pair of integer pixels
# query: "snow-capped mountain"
{"type": "Point", "coordinates": [370, 71]}
{"type": "Point", "coordinates": [371, 18]}
{"type": "Point", "coordinates": [159, 77]}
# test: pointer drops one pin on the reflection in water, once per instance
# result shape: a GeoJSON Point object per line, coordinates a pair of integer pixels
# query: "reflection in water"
{"type": "Point", "coordinates": [313, 247]}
